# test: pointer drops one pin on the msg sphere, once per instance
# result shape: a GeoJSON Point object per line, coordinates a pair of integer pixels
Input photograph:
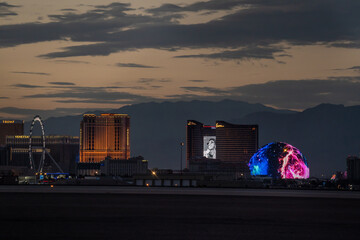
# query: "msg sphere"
{"type": "Point", "coordinates": [279, 160]}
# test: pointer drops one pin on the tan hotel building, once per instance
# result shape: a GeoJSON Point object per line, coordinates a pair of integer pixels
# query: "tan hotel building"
{"type": "Point", "coordinates": [107, 135]}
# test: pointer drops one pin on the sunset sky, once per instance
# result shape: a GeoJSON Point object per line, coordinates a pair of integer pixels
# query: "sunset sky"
{"type": "Point", "coordinates": [71, 56]}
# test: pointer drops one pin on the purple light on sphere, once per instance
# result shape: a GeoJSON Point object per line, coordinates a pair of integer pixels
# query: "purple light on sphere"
{"type": "Point", "coordinates": [279, 160]}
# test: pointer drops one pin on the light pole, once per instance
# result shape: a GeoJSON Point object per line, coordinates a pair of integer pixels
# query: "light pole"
{"type": "Point", "coordinates": [181, 151]}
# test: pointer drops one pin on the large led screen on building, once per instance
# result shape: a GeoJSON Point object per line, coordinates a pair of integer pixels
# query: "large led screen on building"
{"type": "Point", "coordinates": [279, 160]}
{"type": "Point", "coordinates": [210, 147]}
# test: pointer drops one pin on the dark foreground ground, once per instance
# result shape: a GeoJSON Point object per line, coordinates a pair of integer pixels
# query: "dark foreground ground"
{"type": "Point", "coordinates": [157, 216]}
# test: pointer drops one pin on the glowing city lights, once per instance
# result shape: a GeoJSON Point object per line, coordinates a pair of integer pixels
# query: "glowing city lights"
{"type": "Point", "coordinates": [279, 160]}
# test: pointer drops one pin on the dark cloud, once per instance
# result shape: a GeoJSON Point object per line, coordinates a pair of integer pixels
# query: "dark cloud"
{"type": "Point", "coordinates": [290, 94]}
{"type": "Point", "coordinates": [346, 44]}
{"type": "Point", "coordinates": [62, 83]}
{"type": "Point", "coordinates": [5, 9]}
{"type": "Point", "coordinates": [147, 81]}
{"type": "Point", "coordinates": [262, 23]}
{"type": "Point", "coordinates": [33, 73]}
{"type": "Point", "coordinates": [4, 97]}
{"type": "Point", "coordinates": [133, 65]}
{"type": "Point", "coordinates": [198, 81]}
{"type": "Point", "coordinates": [97, 25]}
{"type": "Point", "coordinates": [30, 113]}
{"type": "Point", "coordinates": [70, 61]}
{"type": "Point", "coordinates": [242, 54]}
{"type": "Point", "coordinates": [355, 68]}
{"type": "Point", "coordinates": [93, 95]}
{"type": "Point", "coordinates": [68, 10]}
{"type": "Point", "coordinates": [26, 86]}
{"type": "Point", "coordinates": [211, 90]}
{"type": "Point", "coordinates": [68, 86]}
{"type": "Point", "coordinates": [213, 5]}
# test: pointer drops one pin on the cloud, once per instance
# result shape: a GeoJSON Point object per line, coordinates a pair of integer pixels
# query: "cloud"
{"type": "Point", "coordinates": [5, 9]}
{"type": "Point", "coordinates": [346, 44]}
{"type": "Point", "coordinates": [62, 83]}
{"type": "Point", "coordinates": [68, 86]}
{"type": "Point", "coordinates": [97, 24]}
{"type": "Point", "coordinates": [213, 5]}
{"type": "Point", "coordinates": [133, 65]}
{"type": "Point", "coordinates": [30, 113]}
{"type": "Point", "coordinates": [211, 90]}
{"type": "Point", "coordinates": [290, 94]}
{"type": "Point", "coordinates": [4, 97]}
{"type": "Point", "coordinates": [198, 81]}
{"type": "Point", "coordinates": [26, 86]}
{"type": "Point", "coordinates": [262, 23]}
{"type": "Point", "coordinates": [242, 54]}
{"type": "Point", "coordinates": [33, 73]}
{"type": "Point", "coordinates": [68, 10]}
{"type": "Point", "coordinates": [70, 61]}
{"type": "Point", "coordinates": [92, 95]}
{"type": "Point", "coordinates": [355, 68]}
{"type": "Point", "coordinates": [147, 81]}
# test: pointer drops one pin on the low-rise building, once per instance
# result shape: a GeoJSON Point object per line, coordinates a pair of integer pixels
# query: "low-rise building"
{"type": "Point", "coordinates": [124, 167]}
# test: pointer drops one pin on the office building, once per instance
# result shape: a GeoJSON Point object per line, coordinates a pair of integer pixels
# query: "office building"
{"type": "Point", "coordinates": [232, 144]}
{"type": "Point", "coordinates": [10, 128]}
{"type": "Point", "coordinates": [353, 168]}
{"type": "Point", "coordinates": [107, 135]}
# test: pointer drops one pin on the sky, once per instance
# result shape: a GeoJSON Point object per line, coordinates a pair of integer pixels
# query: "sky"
{"type": "Point", "coordinates": [72, 56]}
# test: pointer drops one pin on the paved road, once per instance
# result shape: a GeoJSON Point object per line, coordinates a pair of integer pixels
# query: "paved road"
{"type": "Point", "coordinates": [54, 214]}
{"type": "Point", "coordinates": [180, 191]}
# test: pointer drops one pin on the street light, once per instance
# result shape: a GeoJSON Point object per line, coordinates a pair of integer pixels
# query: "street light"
{"type": "Point", "coordinates": [181, 151]}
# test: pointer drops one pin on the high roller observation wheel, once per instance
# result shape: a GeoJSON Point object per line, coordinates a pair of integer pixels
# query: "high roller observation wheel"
{"type": "Point", "coordinates": [37, 118]}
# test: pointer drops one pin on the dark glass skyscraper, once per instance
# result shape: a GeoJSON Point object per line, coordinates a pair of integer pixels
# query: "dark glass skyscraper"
{"type": "Point", "coordinates": [107, 135]}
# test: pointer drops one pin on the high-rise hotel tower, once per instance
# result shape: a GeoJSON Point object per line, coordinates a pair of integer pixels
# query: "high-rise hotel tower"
{"type": "Point", "coordinates": [10, 128]}
{"type": "Point", "coordinates": [107, 135]}
{"type": "Point", "coordinates": [230, 143]}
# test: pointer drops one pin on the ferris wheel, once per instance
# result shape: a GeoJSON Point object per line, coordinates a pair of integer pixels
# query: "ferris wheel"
{"type": "Point", "coordinates": [37, 118]}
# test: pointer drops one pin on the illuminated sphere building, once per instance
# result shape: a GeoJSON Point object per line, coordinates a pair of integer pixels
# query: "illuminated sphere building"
{"type": "Point", "coordinates": [107, 135]}
{"type": "Point", "coordinates": [279, 160]}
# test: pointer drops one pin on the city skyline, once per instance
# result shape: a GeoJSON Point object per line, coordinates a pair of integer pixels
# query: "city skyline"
{"type": "Point", "coordinates": [71, 57]}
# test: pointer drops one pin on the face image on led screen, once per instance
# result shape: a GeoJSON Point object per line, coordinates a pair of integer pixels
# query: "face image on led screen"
{"type": "Point", "coordinates": [279, 160]}
{"type": "Point", "coordinates": [210, 147]}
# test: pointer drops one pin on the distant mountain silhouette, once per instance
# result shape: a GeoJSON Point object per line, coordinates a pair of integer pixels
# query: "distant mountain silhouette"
{"type": "Point", "coordinates": [325, 134]}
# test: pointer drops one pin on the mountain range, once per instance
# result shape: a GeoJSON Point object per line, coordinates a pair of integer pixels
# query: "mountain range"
{"type": "Point", "coordinates": [325, 134]}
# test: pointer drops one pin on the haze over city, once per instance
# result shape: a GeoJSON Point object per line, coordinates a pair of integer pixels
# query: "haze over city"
{"type": "Point", "coordinates": [68, 57]}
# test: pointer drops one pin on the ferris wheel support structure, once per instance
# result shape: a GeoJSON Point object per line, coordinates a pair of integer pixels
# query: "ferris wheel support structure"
{"type": "Point", "coordinates": [37, 118]}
